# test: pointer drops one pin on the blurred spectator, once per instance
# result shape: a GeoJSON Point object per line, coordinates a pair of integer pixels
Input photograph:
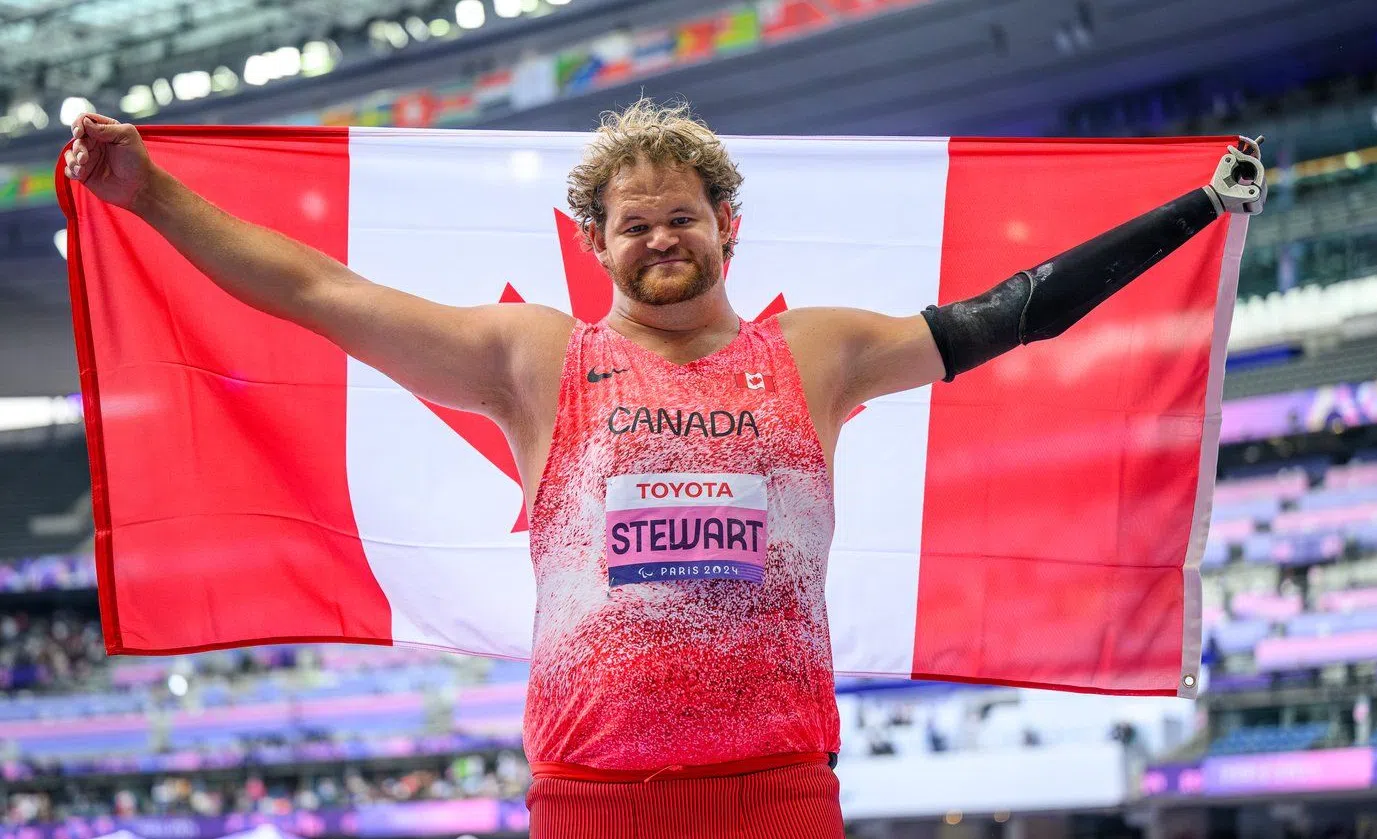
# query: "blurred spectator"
{"type": "Point", "coordinates": [54, 653]}
{"type": "Point", "coordinates": [41, 573]}
{"type": "Point", "coordinates": [503, 775]}
{"type": "Point", "coordinates": [936, 741]}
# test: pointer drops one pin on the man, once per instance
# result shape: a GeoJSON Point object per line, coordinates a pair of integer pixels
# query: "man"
{"type": "Point", "coordinates": [677, 459]}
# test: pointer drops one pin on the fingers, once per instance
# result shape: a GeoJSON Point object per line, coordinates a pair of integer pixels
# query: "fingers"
{"type": "Point", "coordinates": [78, 154]}
{"type": "Point", "coordinates": [77, 159]}
{"type": "Point", "coordinates": [80, 127]}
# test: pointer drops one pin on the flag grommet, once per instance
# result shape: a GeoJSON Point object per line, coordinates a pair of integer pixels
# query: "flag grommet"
{"type": "Point", "coordinates": [1188, 680]}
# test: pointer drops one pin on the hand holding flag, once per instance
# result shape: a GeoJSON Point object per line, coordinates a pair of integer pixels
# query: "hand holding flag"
{"type": "Point", "coordinates": [109, 158]}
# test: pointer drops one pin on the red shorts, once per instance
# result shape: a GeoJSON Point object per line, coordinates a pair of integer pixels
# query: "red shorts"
{"type": "Point", "coordinates": [792, 802]}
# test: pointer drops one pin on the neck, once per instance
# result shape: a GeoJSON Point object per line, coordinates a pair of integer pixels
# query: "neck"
{"type": "Point", "coordinates": [704, 316]}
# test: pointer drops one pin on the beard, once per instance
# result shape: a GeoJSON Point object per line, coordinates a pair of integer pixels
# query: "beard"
{"type": "Point", "coordinates": [662, 285]}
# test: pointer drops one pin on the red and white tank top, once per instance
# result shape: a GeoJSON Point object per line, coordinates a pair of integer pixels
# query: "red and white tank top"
{"type": "Point", "coordinates": [680, 537]}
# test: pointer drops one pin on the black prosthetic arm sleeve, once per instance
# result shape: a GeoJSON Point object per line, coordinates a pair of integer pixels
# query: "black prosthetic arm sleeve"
{"type": "Point", "coordinates": [1044, 301]}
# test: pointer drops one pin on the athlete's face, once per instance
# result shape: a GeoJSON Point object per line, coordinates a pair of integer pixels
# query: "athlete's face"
{"type": "Point", "coordinates": [662, 242]}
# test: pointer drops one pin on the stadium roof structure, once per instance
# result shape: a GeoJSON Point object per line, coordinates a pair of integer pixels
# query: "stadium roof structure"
{"type": "Point", "coordinates": [84, 47]}
{"type": "Point", "coordinates": [75, 44]}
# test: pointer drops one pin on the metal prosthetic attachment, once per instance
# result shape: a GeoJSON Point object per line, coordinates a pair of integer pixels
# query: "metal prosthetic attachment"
{"type": "Point", "coordinates": [1239, 184]}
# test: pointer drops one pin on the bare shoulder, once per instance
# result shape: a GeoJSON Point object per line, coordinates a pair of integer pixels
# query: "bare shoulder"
{"type": "Point", "coordinates": [828, 330]}
{"type": "Point", "coordinates": [536, 336]}
{"type": "Point", "coordinates": [852, 355]}
{"type": "Point", "coordinates": [536, 321]}
{"type": "Point", "coordinates": [806, 324]}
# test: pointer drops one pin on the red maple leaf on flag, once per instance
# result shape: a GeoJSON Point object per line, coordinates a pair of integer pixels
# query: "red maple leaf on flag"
{"type": "Point", "coordinates": [590, 298]}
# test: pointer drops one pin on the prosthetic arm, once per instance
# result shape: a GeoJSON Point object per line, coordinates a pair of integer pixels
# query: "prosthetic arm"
{"type": "Point", "coordinates": [1043, 302]}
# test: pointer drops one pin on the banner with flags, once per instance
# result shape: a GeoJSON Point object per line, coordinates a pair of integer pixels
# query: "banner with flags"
{"type": "Point", "coordinates": [1037, 522]}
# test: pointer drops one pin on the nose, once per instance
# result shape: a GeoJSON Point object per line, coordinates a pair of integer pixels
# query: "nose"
{"type": "Point", "coordinates": [662, 239]}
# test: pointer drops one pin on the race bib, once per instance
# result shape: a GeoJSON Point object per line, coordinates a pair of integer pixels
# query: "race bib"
{"type": "Point", "coordinates": [669, 527]}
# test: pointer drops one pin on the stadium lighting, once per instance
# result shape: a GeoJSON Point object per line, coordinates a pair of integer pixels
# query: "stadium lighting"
{"type": "Point", "coordinates": [469, 14]}
{"type": "Point", "coordinates": [31, 113]}
{"type": "Point", "coordinates": [256, 70]}
{"type": "Point", "coordinates": [177, 684]}
{"type": "Point", "coordinates": [73, 107]}
{"type": "Point", "coordinates": [507, 8]}
{"type": "Point", "coordinates": [162, 92]}
{"type": "Point", "coordinates": [193, 85]}
{"type": "Point", "coordinates": [17, 412]}
{"type": "Point", "coordinates": [417, 29]}
{"type": "Point", "coordinates": [439, 27]}
{"type": "Point", "coordinates": [223, 80]}
{"type": "Point", "coordinates": [377, 32]}
{"type": "Point", "coordinates": [318, 58]}
{"type": "Point", "coordinates": [60, 241]}
{"type": "Point", "coordinates": [557, 2]}
{"type": "Point", "coordinates": [263, 68]}
{"type": "Point", "coordinates": [138, 101]}
{"type": "Point", "coordinates": [286, 61]}
{"type": "Point", "coordinates": [395, 35]}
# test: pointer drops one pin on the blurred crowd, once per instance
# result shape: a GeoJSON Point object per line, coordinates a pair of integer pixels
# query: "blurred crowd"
{"type": "Point", "coordinates": [48, 653]}
{"type": "Point", "coordinates": [501, 775]}
{"type": "Point", "coordinates": [48, 573]}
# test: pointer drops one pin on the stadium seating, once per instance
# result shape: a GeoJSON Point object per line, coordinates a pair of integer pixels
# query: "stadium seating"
{"type": "Point", "coordinates": [1290, 594]}
{"type": "Point", "coordinates": [1269, 739]}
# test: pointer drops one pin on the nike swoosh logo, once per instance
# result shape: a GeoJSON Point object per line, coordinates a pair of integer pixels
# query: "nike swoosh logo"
{"type": "Point", "coordinates": [595, 376]}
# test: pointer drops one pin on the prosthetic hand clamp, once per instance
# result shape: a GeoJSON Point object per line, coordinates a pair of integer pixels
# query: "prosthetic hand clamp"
{"type": "Point", "coordinates": [1239, 184]}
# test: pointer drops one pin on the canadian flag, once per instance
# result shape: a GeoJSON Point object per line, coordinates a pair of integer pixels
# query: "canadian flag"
{"type": "Point", "coordinates": [756, 381]}
{"type": "Point", "coordinates": [1037, 522]}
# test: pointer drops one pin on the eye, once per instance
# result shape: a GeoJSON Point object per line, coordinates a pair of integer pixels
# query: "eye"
{"type": "Point", "coordinates": [635, 228]}
{"type": "Point", "coordinates": [684, 220]}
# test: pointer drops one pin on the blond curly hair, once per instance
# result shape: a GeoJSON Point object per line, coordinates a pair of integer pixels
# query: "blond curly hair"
{"type": "Point", "coordinates": [662, 134]}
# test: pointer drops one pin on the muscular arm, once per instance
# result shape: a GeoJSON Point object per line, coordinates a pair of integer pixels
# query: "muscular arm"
{"type": "Point", "coordinates": [469, 358]}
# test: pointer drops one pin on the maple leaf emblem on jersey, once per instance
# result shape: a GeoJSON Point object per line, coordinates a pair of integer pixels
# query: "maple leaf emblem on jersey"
{"type": "Point", "coordinates": [590, 298]}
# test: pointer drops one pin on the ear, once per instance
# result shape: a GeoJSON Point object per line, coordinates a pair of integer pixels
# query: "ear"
{"type": "Point", "coordinates": [722, 213]}
{"type": "Point", "coordinates": [597, 241]}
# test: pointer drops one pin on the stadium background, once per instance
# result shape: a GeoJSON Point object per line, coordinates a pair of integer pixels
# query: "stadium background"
{"type": "Point", "coordinates": [370, 742]}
